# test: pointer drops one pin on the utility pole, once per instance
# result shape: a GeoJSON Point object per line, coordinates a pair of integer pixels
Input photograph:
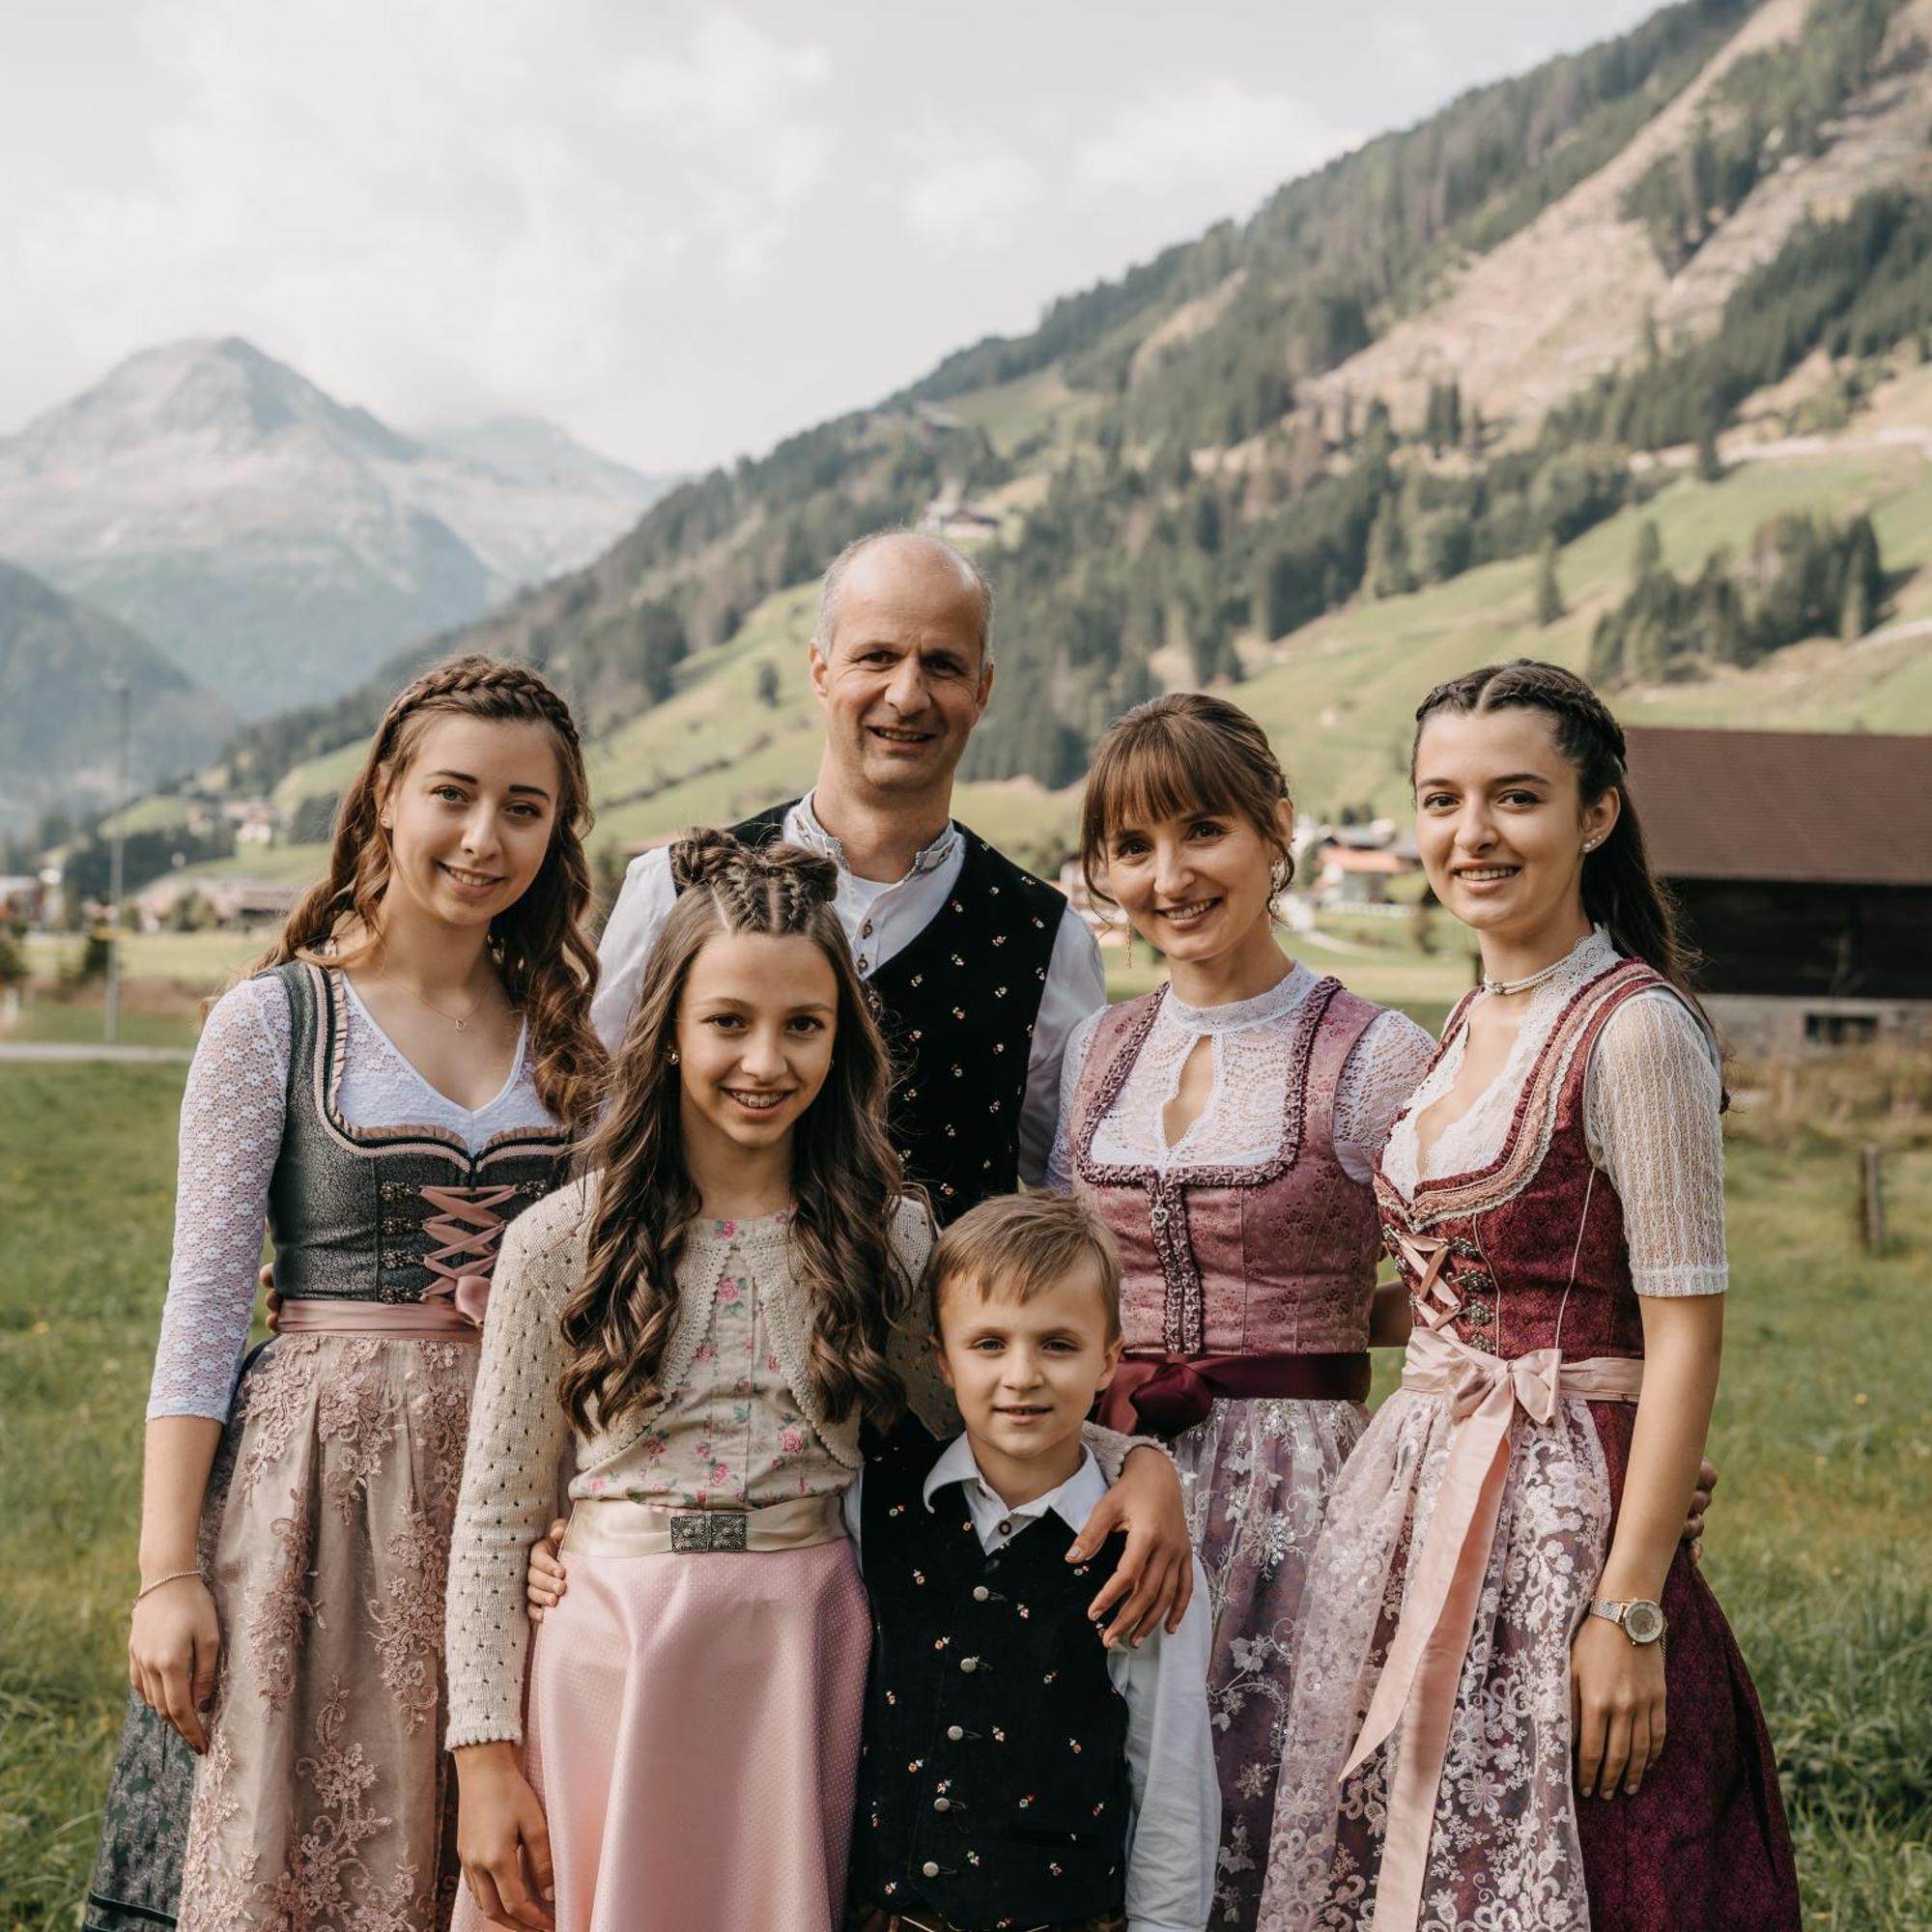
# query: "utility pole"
{"type": "Point", "coordinates": [120, 687]}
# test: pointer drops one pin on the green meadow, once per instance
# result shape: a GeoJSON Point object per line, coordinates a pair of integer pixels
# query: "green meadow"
{"type": "Point", "coordinates": [1823, 1435]}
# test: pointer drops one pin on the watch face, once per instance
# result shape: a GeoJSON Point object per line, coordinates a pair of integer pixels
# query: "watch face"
{"type": "Point", "coordinates": [1643, 1623]}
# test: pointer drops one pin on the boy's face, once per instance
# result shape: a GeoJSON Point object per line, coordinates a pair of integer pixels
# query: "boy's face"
{"type": "Point", "coordinates": [1025, 1374]}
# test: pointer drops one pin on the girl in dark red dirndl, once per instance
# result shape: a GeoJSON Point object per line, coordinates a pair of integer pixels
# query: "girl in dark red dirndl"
{"type": "Point", "coordinates": [1516, 1703]}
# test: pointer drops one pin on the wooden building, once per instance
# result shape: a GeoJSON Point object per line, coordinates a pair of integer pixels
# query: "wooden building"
{"type": "Point", "coordinates": [1803, 864]}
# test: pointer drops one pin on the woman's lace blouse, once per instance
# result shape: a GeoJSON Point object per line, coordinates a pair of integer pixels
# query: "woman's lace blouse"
{"type": "Point", "coordinates": [1652, 1102]}
{"type": "Point", "coordinates": [1240, 1125]}
{"type": "Point", "coordinates": [231, 1134]}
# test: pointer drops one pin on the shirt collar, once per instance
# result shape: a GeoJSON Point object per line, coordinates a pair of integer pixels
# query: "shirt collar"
{"type": "Point", "coordinates": [803, 823]}
{"type": "Point", "coordinates": [1072, 1501]}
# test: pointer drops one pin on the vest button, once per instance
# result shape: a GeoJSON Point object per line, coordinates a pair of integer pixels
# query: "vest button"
{"type": "Point", "coordinates": [929, 1869]}
{"type": "Point", "coordinates": [954, 1732]}
{"type": "Point", "coordinates": [942, 1804]}
{"type": "Point", "coordinates": [969, 1664]}
{"type": "Point", "coordinates": [981, 1593]}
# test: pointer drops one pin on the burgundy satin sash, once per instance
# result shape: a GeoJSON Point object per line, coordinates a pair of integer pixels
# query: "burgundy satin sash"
{"type": "Point", "coordinates": [1161, 1395]}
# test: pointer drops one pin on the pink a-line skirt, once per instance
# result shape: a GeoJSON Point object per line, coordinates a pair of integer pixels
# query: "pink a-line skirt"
{"type": "Point", "coordinates": [692, 1731]}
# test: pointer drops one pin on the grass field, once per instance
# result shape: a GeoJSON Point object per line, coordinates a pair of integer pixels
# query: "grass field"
{"type": "Point", "coordinates": [1824, 1433]}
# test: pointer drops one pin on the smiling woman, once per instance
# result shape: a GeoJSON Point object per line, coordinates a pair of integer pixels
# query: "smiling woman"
{"type": "Point", "coordinates": [395, 1082]}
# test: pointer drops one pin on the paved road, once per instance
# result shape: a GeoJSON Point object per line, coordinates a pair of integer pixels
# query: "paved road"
{"type": "Point", "coordinates": [77, 1050]}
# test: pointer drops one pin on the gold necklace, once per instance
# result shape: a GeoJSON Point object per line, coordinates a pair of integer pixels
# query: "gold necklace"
{"type": "Point", "coordinates": [461, 1024]}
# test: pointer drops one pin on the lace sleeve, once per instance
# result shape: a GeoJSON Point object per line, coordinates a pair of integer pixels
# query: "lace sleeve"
{"type": "Point", "coordinates": [1383, 1070]}
{"type": "Point", "coordinates": [1060, 1162]}
{"type": "Point", "coordinates": [231, 1133]}
{"type": "Point", "coordinates": [1651, 1114]}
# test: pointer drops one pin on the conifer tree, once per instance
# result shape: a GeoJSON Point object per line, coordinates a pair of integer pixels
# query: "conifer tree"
{"type": "Point", "coordinates": [1548, 591]}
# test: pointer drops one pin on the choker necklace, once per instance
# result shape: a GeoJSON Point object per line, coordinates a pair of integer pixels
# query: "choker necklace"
{"type": "Point", "coordinates": [1523, 986]}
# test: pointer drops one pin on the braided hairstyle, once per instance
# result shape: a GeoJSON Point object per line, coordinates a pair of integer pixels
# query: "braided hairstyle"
{"type": "Point", "coordinates": [542, 952]}
{"type": "Point", "coordinates": [846, 1180]}
{"type": "Point", "coordinates": [1621, 893]}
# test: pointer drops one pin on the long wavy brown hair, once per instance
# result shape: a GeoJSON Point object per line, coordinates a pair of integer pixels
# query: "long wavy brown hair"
{"type": "Point", "coordinates": [543, 951]}
{"type": "Point", "coordinates": [846, 1180]}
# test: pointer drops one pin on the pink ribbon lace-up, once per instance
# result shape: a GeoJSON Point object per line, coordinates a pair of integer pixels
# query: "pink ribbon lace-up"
{"type": "Point", "coordinates": [469, 1228]}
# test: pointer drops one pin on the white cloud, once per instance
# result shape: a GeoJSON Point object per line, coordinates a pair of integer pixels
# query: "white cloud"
{"type": "Point", "coordinates": [430, 208]}
{"type": "Point", "coordinates": [1216, 135]}
{"type": "Point", "coordinates": [965, 189]}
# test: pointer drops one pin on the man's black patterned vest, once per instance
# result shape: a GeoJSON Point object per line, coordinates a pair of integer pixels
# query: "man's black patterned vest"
{"type": "Point", "coordinates": [958, 1006]}
{"type": "Point", "coordinates": [993, 1785]}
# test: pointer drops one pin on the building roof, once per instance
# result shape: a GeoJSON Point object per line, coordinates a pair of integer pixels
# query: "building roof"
{"type": "Point", "coordinates": [1839, 807]}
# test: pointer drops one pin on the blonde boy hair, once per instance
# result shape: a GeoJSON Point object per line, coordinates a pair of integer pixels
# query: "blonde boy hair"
{"type": "Point", "coordinates": [1016, 1246]}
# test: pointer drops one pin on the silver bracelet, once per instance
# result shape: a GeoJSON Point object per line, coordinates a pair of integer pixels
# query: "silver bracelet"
{"type": "Point", "coordinates": [173, 1577]}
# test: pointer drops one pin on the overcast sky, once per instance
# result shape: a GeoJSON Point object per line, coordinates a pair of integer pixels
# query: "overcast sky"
{"type": "Point", "coordinates": [682, 231]}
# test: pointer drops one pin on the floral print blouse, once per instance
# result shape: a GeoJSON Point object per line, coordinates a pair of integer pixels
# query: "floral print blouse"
{"type": "Point", "coordinates": [729, 1436]}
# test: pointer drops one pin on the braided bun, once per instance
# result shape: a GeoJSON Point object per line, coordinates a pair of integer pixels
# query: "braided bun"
{"type": "Point", "coordinates": [702, 857]}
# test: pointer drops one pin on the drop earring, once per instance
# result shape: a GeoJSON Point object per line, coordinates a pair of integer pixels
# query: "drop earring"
{"type": "Point", "coordinates": [673, 1056]}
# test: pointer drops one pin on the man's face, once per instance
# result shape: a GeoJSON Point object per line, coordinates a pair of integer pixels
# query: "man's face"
{"type": "Point", "coordinates": [901, 678]}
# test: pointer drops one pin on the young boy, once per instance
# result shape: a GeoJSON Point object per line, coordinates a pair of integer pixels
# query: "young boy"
{"type": "Point", "coordinates": [1015, 1771]}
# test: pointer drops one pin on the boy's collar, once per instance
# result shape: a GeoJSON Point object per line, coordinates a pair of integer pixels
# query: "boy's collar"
{"type": "Point", "coordinates": [1073, 1500]}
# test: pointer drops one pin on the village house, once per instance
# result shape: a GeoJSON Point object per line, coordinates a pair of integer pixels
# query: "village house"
{"type": "Point", "coordinates": [1803, 864]}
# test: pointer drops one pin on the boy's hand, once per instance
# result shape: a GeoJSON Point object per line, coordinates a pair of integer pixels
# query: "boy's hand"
{"type": "Point", "coordinates": [545, 1583]}
{"type": "Point", "coordinates": [1155, 1576]}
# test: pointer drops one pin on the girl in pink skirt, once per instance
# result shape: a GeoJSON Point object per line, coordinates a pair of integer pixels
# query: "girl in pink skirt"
{"type": "Point", "coordinates": [1488, 1728]}
{"type": "Point", "coordinates": [711, 1312]}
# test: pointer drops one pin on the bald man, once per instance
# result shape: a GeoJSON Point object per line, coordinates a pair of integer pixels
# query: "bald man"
{"type": "Point", "coordinates": [982, 970]}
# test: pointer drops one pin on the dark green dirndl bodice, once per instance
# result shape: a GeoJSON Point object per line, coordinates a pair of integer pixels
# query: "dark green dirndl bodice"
{"type": "Point", "coordinates": [386, 1215]}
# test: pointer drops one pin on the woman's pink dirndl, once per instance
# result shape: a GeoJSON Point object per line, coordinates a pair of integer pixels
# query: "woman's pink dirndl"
{"type": "Point", "coordinates": [1245, 1299]}
{"type": "Point", "coordinates": [692, 1730]}
{"type": "Point", "coordinates": [1428, 1760]}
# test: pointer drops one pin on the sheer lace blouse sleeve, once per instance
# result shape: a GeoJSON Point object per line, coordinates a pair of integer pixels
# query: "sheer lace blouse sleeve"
{"type": "Point", "coordinates": [231, 1133]}
{"type": "Point", "coordinates": [1651, 1114]}
{"type": "Point", "coordinates": [1060, 1162]}
{"type": "Point", "coordinates": [1380, 1074]}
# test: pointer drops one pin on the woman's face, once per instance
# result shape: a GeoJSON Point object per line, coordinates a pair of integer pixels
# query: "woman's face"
{"type": "Point", "coordinates": [1500, 821]}
{"type": "Point", "coordinates": [755, 1027]}
{"type": "Point", "coordinates": [1197, 884]}
{"type": "Point", "coordinates": [470, 815]}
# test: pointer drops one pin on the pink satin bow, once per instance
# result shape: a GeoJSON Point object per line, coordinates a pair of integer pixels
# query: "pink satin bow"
{"type": "Point", "coordinates": [1416, 1692]}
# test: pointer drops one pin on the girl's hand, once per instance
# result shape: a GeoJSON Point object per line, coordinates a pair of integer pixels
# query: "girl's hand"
{"type": "Point", "coordinates": [1700, 1502]}
{"type": "Point", "coordinates": [1616, 1708]}
{"type": "Point", "coordinates": [502, 1839]}
{"type": "Point", "coordinates": [174, 1644]}
{"type": "Point", "coordinates": [544, 1584]}
{"type": "Point", "coordinates": [1157, 1569]}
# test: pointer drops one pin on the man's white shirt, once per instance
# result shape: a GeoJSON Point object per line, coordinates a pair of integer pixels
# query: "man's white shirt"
{"type": "Point", "coordinates": [880, 920]}
{"type": "Point", "coordinates": [1174, 1834]}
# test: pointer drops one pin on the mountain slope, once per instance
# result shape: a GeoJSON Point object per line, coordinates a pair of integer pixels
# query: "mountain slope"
{"type": "Point", "coordinates": [58, 716]}
{"type": "Point", "coordinates": [277, 545]}
{"type": "Point", "coordinates": [528, 450]}
{"type": "Point", "coordinates": [1260, 448]}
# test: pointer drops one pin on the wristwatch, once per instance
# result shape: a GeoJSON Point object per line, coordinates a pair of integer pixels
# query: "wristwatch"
{"type": "Point", "coordinates": [1639, 1619]}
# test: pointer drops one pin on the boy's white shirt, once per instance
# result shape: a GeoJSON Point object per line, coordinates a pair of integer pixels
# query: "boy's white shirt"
{"type": "Point", "coordinates": [1174, 1829]}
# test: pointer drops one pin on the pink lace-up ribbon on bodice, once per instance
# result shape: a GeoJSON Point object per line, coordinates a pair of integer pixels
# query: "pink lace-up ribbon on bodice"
{"type": "Point", "coordinates": [1427, 1255]}
{"type": "Point", "coordinates": [1416, 1692]}
{"type": "Point", "coordinates": [470, 1229]}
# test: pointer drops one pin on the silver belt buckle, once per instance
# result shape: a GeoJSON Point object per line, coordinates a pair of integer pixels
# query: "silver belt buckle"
{"type": "Point", "coordinates": [694, 1530]}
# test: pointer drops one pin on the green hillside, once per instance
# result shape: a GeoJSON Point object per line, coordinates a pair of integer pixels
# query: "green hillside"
{"type": "Point", "coordinates": [1257, 461]}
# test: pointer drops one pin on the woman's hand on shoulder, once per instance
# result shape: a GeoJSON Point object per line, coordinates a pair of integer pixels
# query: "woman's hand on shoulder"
{"type": "Point", "coordinates": [174, 1644]}
{"type": "Point", "coordinates": [1616, 1708]}
{"type": "Point", "coordinates": [502, 1842]}
{"type": "Point", "coordinates": [1154, 1578]}
{"type": "Point", "coordinates": [545, 1583]}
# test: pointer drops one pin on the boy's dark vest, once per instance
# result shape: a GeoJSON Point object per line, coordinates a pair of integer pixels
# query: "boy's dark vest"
{"type": "Point", "coordinates": [993, 1784]}
{"type": "Point", "coordinates": [958, 1006]}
